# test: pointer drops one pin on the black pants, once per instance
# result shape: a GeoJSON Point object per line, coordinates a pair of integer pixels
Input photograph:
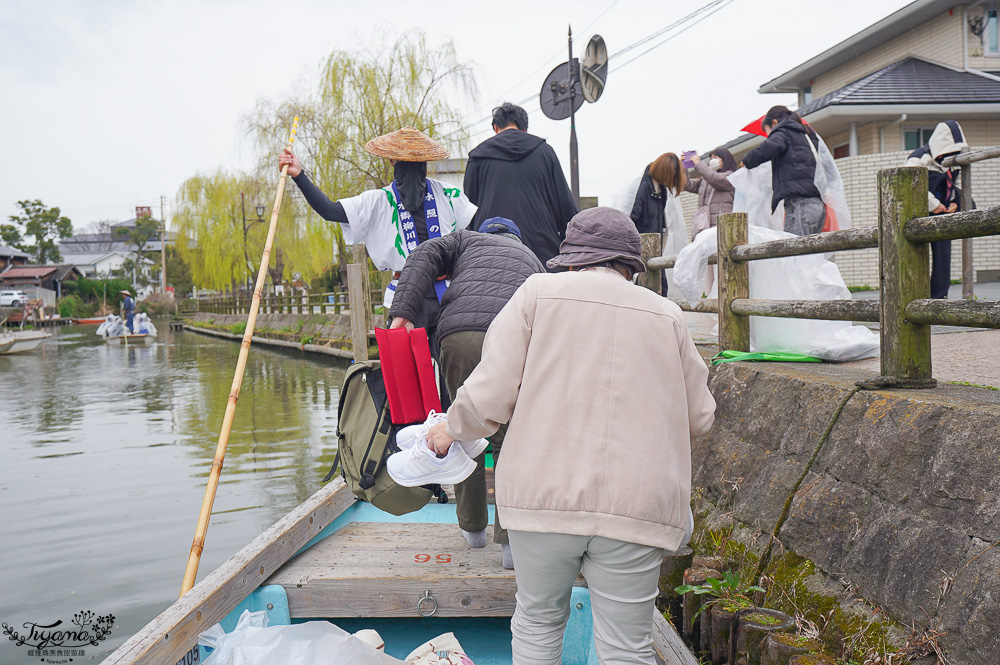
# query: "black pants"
{"type": "Point", "coordinates": [940, 269]}
{"type": "Point", "coordinates": [460, 353]}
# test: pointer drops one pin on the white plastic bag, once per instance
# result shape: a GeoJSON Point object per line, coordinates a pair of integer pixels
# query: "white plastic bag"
{"type": "Point", "coordinates": [222, 642]}
{"type": "Point", "coordinates": [831, 186]}
{"type": "Point", "coordinates": [753, 196]}
{"type": "Point", "coordinates": [809, 277]}
{"type": "Point", "coordinates": [310, 643]}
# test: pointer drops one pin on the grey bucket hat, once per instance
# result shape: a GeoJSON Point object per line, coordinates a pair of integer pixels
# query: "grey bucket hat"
{"type": "Point", "coordinates": [597, 235]}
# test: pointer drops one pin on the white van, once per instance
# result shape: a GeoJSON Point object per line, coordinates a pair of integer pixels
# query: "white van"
{"type": "Point", "coordinates": [13, 298]}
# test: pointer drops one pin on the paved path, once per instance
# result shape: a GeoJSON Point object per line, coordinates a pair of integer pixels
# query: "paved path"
{"type": "Point", "coordinates": [958, 354]}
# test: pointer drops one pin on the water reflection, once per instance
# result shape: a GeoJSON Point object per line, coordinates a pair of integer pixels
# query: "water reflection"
{"type": "Point", "coordinates": [106, 454]}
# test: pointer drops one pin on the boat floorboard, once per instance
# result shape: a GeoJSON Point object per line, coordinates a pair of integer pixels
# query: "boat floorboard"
{"type": "Point", "coordinates": [381, 569]}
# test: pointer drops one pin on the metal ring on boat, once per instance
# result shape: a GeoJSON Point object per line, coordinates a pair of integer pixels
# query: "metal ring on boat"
{"type": "Point", "coordinates": [427, 598]}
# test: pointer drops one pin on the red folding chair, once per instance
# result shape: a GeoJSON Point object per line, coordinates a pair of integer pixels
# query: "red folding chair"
{"type": "Point", "coordinates": [408, 373]}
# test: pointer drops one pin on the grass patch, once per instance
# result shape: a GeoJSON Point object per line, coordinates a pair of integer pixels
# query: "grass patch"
{"type": "Point", "coordinates": [860, 287]}
{"type": "Point", "coordinates": [972, 385]}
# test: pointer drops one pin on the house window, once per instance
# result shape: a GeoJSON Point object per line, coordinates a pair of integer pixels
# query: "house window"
{"type": "Point", "coordinates": [842, 151]}
{"type": "Point", "coordinates": [915, 137]}
{"type": "Point", "coordinates": [991, 34]}
{"type": "Point", "coordinates": [807, 94]}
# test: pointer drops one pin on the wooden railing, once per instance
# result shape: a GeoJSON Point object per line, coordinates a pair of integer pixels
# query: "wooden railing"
{"type": "Point", "coordinates": [359, 296]}
{"type": "Point", "coordinates": [905, 310]}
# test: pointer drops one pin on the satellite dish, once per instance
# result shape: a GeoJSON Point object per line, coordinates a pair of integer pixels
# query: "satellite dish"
{"type": "Point", "coordinates": [594, 71]}
{"type": "Point", "coordinates": [555, 96]}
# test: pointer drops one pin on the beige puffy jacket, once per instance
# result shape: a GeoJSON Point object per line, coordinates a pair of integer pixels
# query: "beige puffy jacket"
{"type": "Point", "coordinates": [604, 389]}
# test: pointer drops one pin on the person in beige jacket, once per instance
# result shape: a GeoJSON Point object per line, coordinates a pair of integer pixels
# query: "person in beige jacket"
{"type": "Point", "coordinates": [603, 390]}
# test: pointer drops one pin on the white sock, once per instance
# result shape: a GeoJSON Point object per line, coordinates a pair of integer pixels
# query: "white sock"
{"type": "Point", "coordinates": [474, 538]}
{"type": "Point", "coordinates": [508, 556]}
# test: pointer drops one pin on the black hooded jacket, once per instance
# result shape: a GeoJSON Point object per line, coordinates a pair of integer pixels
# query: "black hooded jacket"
{"type": "Point", "coordinates": [484, 269]}
{"type": "Point", "coordinates": [793, 165]}
{"type": "Point", "coordinates": [517, 175]}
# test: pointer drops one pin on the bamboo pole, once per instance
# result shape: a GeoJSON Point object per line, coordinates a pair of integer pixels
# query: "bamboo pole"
{"type": "Point", "coordinates": [191, 572]}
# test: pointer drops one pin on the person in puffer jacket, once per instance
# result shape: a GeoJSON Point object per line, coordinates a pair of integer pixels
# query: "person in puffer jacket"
{"type": "Point", "coordinates": [792, 149]}
{"type": "Point", "coordinates": [942, 195]}
{"type": "Point", "coordinates": [485, 269]}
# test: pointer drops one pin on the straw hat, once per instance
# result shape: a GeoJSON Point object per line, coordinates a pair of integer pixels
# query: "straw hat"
{"type": "Point", "coordinates": [128, 293]}
{"type": "Point", "coordinates": [407, 145]}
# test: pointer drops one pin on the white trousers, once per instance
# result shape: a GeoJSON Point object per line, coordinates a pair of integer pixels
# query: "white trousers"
{"type": "Point", "coordinates": [623, 581]}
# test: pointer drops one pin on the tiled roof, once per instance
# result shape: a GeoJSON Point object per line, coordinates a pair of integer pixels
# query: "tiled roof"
{"type": "Point", "coordinates": [28, 272]}
{"type": "Point", "coordinates": [11, 252]}
{"type": "Point", "coordinates": [911, 81]}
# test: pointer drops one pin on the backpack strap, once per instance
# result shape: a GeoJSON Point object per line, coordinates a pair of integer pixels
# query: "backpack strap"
{"type": "Point", "coordinates": [369, 467]}
{"type": "Point", "coordinates": [333, 468]}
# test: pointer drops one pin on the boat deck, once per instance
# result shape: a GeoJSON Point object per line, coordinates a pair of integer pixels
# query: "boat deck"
{"type": "Point", "coordinates": [380, 569]}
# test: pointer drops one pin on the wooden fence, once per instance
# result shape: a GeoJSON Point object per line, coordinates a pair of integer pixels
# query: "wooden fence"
{"type": "Point", "coordinates": [358, 297]}
{"type": "Point", "coordinates": [905, 311]}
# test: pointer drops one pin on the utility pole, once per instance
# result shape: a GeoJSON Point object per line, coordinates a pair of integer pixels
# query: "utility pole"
{"type": "Point", "coordinates": [574, 158]}
{"type": "Point", "coordinates": [163, 249]}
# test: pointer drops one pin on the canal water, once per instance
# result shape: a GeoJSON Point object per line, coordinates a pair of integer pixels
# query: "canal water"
{"type": "Point", "coordinates": [106, 452]}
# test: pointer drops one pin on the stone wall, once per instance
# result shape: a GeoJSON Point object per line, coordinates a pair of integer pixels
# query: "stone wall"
{"type": "Point", "coordinates": [900, 503]}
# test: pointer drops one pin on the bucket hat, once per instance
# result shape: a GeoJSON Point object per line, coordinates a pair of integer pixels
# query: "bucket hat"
{"type": "Point", "coordinates": [407, 145]}
{"type": "Point", "coordinates": [597, 235]}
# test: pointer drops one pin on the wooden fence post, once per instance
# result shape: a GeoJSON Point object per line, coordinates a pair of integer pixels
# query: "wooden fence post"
{"type": "Point", "coordinates": [356, 300]}
{"type": "Point", "coordinates": [904, 275]}
{"type": "Point", "coordinates": [734, 282]}
{"type": "Point", "coordinates": [360, 257]}
{"type": "Point", "coordinates": [968, 277]}
{"type": "Point", "coordinates": [652, 245]}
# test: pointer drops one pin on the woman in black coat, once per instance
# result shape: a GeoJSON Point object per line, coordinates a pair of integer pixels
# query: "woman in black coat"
{"type": "Point", "coordinates": [792, 148]}
{"type": "Point", "coordinates": [661, 179]}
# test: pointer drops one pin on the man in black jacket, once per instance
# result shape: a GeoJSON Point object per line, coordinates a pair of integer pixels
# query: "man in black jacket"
{"type": "Point", "coordinates": [485, 270]}
{"type": "Point", "coordinates": [517, 175]}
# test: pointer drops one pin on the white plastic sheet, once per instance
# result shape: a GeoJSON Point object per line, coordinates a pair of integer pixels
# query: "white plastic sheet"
{"type": "Point", "coordinates": [753, 192]}
{"type": "Point", "coordinates": [310, 643]}
{"type": "Point", "coordinates": [677, 235]}
{"type": "Point", "coordinates": [810, 277]}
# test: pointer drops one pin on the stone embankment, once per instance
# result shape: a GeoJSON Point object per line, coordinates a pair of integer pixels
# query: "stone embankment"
{"type": "Point", "coordinates": [325, 334]}
{"type": "Point", "coordinates": [900, 508]}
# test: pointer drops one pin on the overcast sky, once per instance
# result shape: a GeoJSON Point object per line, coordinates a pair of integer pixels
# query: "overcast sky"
{"type": "Point", "coordinates": [111, 104]}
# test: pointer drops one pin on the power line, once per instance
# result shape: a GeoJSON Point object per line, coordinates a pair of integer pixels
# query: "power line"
{"type": "Point", "coordinates": [694, 18]}
{"type": "Point", "coordinates": [670, 27]}
{"type": "Point", "coordinates": [679, 32]}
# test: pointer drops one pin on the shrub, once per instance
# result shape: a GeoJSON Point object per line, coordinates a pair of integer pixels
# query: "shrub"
{"type": "Point", "coordinates": [157, 305]}
{"type": "Point", "coordinates": [238, 328]}
{"type": "Point", "coordinates": [73, 307]}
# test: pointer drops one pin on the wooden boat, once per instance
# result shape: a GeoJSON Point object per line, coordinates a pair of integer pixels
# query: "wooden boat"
{"type": "Point", "coordinates": [22, 340]}
{"type": "Point", "coordinates": [338, 559]}
{"type": "Point", "coordinates": [131, 338]}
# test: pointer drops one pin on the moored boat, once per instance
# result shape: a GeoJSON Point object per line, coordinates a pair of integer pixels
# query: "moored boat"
{"type": "Point", "coordinates": [337, 559]}
{"type": "Point", "coordinates": [22, 340]}
{"type": "Point", "coordinates": [90, 322]}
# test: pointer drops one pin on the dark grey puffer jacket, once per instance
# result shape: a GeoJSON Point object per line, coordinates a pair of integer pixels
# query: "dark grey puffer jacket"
{"type": "Point", "coordinates": [484, 270]}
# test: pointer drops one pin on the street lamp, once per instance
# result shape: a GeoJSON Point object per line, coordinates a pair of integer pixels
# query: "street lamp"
{"type": "Point", "coordinates": [259, 209]}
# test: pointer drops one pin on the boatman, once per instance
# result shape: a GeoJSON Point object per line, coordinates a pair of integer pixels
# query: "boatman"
{"type": "Point", "coordinates": [394, 220]}
{"type": "Point", "coordinates": [128, 306]}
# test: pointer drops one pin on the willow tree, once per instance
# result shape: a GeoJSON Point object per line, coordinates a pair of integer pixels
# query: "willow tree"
{"type": "Point", "coordinates": [218, 245]}
{"type": "Point", "coordinates": [361, 95]}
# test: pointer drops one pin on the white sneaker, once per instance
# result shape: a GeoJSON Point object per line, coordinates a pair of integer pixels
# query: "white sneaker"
{"type": "Point", "coordinates": [418, 465]}
{"type": "Point", "coordinates": [406, 437]}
